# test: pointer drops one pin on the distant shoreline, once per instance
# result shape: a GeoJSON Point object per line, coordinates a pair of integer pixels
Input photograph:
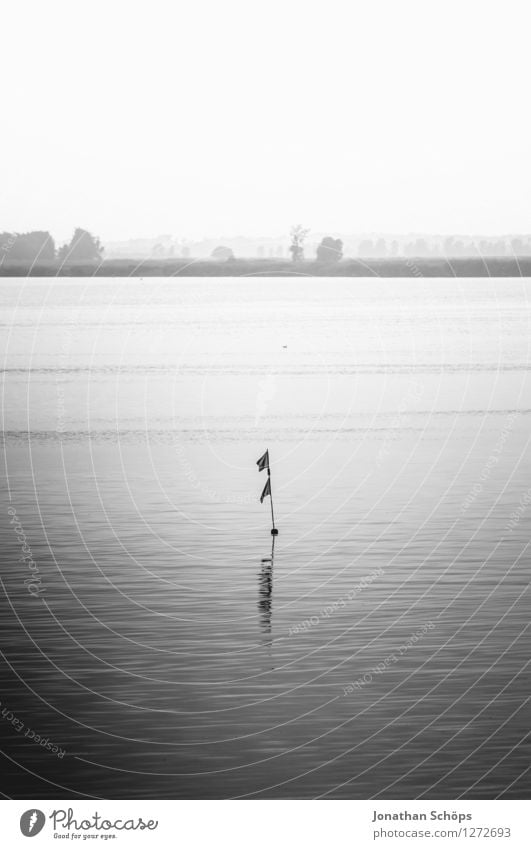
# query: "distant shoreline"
{"type": "Point", "coordinates": [390, 267]}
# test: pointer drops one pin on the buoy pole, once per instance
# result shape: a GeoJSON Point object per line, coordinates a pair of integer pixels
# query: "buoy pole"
{"type": "Point", "coordinates": [274, 531]}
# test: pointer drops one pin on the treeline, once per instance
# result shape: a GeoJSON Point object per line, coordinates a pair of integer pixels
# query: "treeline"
{"type": "Point", "coordinates": [450, 246]}
{"type": "Point", "coordinates": [39, 246]}
{"type": "Point", "coordinates": [332, 250]}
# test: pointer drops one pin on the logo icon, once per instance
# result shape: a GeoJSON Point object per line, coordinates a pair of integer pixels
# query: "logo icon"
{"type": "Point", "coordinates": [31, 822]}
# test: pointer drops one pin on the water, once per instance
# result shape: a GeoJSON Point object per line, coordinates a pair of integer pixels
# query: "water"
{"type": "Point", "coordinates": [381, 654]}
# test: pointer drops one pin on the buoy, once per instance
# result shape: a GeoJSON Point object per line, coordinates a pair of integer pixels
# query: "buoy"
{"type": "Point", "coordinates": [263, 463]}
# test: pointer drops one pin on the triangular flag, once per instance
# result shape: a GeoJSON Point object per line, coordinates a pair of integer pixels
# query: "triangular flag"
{"type": "Point", "coordinates": [263, 462]}
{"type": "Point", "coordinates": [266, 491]}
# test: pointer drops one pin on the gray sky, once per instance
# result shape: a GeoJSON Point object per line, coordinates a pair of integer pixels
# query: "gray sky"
{"type": "Point", "coordinates": [206, 117]}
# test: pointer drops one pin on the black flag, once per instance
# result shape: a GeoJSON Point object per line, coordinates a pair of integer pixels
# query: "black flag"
{"type": "Point", "coordinates": [266, 491]}
{"type": "Point", "coordinates": [263, 462]}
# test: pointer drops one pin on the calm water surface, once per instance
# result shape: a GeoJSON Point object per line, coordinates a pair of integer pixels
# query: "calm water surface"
{"type": "Point", "coordinates": [382, 652]}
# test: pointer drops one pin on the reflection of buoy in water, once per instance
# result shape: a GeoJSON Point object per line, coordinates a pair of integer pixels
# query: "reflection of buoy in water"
{"type": "Point", "coordinates": [265, 560]}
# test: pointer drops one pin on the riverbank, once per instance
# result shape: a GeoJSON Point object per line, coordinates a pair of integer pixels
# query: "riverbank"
{"type": "Point", "coordinates": [391, 267]}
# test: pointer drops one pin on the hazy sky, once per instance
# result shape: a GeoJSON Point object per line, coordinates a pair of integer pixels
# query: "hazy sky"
{"type": "Point", "coordinates": [211, 117]}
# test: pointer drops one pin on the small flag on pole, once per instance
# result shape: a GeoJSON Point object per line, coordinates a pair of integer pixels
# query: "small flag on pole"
{"type": "Point", "coordinates": [263, 462]}
{"type": "Point", "coordinates": [266, 491]}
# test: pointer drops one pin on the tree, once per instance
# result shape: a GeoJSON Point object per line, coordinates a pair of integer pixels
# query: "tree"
{"type": "Point", "coordinates": [83, 247]}
{"type": "Point", "coordinates": [330, 250]}
{"type": "Point", "coordinates": [517, 246]}
{"type": "Point", "coordinates": [222, 253]}
{"type": "Point", "coordinates": [37, 246]}
{"type": "Point", "coordinates": [380, 248]}
{"type": "Point", "coordinates": [298, 235]}
{"type": "Point", "coordinates": [366, 248]}
{"type": "Point", "coordinates": [420, 248]}
{"type": "Point", "coordinates": [449, 246]}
